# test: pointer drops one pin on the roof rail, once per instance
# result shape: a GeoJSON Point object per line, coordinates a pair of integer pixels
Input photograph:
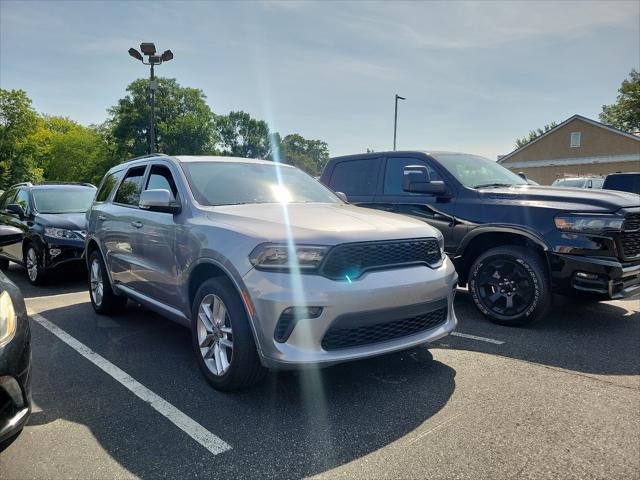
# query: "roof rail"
{"type": "Point", "coordinates": [142, 157]}
{"type": "Point", "coordinates": [23, 184]}
{"type": "Point", "coordinates": [85, 184]}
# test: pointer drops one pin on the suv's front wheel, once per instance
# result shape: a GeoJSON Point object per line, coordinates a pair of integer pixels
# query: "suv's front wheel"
{"type": "Point", "coordinates": [222, 338]}
{"type": "Point", "coordinates": [510, 286]}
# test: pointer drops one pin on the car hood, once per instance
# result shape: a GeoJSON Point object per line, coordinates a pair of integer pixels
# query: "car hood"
{"type": "Point", "coordinates": [322, 224]}
{"type": "Point", "coordinates": [70, 221]}
{"type": "Point", "coordinates": [566, 199]}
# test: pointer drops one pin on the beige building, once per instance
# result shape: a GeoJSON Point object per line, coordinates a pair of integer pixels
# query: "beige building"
{"type": "Point", "coordinates": [577, 147]}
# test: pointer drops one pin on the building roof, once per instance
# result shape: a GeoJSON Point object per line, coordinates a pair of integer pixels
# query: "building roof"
{"type": "Point", "coordinates": [557, 127]}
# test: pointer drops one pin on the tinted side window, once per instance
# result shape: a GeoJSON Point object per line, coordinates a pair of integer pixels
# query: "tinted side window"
{"type": "Point", "coordinates": [7, 198]}
{"type": "Point", "coordinates": [356, 177]}
{"type": "Point", "coordinates": [131, 186]}
{"type": "Point", "coordinates": [107, 187]}
{"type": "Point", "coordinates": [161, 178]}
{"type": "Point", "coordinates": [395, 170]}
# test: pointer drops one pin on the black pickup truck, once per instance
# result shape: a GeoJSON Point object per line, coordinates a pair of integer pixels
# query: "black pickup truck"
{"type": "Point", "coordinates": [513, 244]}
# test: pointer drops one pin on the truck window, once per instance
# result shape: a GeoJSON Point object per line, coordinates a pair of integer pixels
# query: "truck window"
{"type": "Point", "coordinates": [356, 177]}
{"type": "Point", "coordinates": [395, 170]}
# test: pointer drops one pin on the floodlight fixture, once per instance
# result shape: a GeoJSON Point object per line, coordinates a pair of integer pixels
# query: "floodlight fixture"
{"type": "Point", "coordinates": [135, 54]}
{"type": "Point", "coordinates": [148, 48]}
{"type": "Point", "coordinates": [167, 55]}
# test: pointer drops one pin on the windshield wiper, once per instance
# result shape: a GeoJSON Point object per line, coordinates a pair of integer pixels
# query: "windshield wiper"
{"type": "Point", "coordinates": [487, 185]}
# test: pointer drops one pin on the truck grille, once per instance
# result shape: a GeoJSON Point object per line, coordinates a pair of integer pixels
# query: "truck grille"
{"type": "Point", "coordinates": [630, 239]}
{"type": "Point", "coordinates": [337, 338]}
{"type": "Point", "coordinates": [351, 260]}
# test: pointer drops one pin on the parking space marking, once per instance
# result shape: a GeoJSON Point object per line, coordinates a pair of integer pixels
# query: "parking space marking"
{"type": "Point", "coordinates": [474, 337]}
{"type": "Point", "coordinates": [192, 428]}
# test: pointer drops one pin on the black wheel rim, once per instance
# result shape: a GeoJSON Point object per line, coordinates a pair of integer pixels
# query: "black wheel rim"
{"type": "Point", "coordinates": [505, 287]}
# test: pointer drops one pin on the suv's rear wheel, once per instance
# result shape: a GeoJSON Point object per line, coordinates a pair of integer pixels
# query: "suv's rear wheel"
{"type": "Point", "coordinates": [509, 285]}
{"type": "Point", "coordinates": [222, 338]}
{"type": "Point", "coordinates": [35, 269]}
{"type": "Point", "coordinates": [103, 299]}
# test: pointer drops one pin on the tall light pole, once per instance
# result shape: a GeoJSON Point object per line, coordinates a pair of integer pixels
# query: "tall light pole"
{"type": "Point", "coordinates": [149, 49]}
{"type": "Point", "coordinates": [395, 121]}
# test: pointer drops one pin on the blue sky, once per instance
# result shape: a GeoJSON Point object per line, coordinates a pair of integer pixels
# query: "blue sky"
{"type": "Point", "coordinates": [476, 75]}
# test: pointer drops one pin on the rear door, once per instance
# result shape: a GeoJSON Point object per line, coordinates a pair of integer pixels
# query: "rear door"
{"type": "Point", "coordinates": [437, 211]}
{"type": "Point", "coordinates": [154, 266]}
{"type": "Point", "coordinates": [357, 178]}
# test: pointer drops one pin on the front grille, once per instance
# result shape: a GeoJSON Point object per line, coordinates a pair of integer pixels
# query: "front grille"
{"type": "Point", "coordinates": [337, 338]}
{"type": "Point", "coordinates": [351, 260]}
{"type": "Point", "coordinates": [630, 238]}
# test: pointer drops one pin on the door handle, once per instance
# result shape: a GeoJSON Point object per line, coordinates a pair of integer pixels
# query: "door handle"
{"type": "Point", "coordinates": [102, 217]}
{"type": "Point", "coordinates": [136, 224]}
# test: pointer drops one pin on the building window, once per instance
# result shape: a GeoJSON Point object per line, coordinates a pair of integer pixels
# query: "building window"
{"type": "Point", "coordinates": [575, 139]}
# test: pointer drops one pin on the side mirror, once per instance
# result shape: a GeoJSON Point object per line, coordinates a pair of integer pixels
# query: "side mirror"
{"type": "Point", "coordinates": [342, 197]}
{"type": "Point", "coordinates": [9, 235]}
{"type": "Point", "coordinates": [416, 179]}
{"type": "Point", "coordinates": [16, 209]}
{"type": "Point", "coordinates": [523, 175]}
{"type": "Point", "coordinates": [158, 201]}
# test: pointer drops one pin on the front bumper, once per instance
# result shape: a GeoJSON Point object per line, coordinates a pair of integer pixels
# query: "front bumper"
{"type": "Point", "coordinates": [608, 279]}
{"type": "Point", "coordinates": [59, 252]}
{"type": "Point", "coordinates": [381, 293]}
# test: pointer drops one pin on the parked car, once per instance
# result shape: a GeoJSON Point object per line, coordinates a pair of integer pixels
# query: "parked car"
{"type": "Point", "coordinates": [266, 266]}
{"type": "Point", "coordinates": [623, 182]}
{"type": "Point", "coordinates": [579, 182]}
{"type": "Point", "coordinates": [52, 218]}
{"type": "Point", "coordinates": [15, 353]}
{"type": "Point", "coordinates": [512, 243]}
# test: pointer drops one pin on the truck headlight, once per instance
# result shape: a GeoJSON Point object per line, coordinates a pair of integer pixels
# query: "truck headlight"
{"type": "Point", "coordinates": [441, 245]}
{"type": "Point", "coordinates": [7, 318]}
{"type": "Point", "coordinates": [62, 233]}
{"type": "Point", "coordinates": [588, 223]}
{"type": "Point", "coordinates": [283, 257]}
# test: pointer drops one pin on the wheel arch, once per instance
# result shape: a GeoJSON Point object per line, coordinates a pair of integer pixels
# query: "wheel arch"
{"type": "Point", "coordinates": [482, 239]}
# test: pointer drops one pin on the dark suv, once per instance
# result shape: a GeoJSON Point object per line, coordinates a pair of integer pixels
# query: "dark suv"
{"type": "Point", "coordinates": [52, 218]}
{"type": "Point", "coordinates": [513, 243]}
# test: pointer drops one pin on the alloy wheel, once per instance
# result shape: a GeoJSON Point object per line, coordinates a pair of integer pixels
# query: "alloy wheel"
{"type": "Point", "coordinates": [505, 287]}
{"type": "Point", "coordinates": [95, 282]}
{"type": "Point", "coordinates": [215, 335]}
{"type": "Point", "coordinates": [32, 264]}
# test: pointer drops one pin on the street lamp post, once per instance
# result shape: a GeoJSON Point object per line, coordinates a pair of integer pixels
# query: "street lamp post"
{"type": "Point", "coordinates": [395, 121]}
{"type": "Point", "coordinates": [149, 49]}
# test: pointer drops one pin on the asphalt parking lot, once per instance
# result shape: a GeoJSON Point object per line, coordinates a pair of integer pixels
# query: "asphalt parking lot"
{"type": "Point", "coordinates": [559, 399]}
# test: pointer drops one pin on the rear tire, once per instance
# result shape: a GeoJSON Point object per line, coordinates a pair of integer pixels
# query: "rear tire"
{"type": "Point", "coordinates": [510, 285]}
{"type": "Point", "coordinates": [36, 273]}
{"type": "Point", "coordinates": [103, 298]}
{"type": "Point", "coordinates": [4, 264]}
{"type": "Point", "coordinates": [222, 339]}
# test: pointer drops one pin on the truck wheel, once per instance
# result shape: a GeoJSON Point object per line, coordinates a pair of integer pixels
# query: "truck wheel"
{"type": "Point", "coordinates": [103, 299]}
{"type": "Point", "coordinates": [510, 286]}
{"type": "Point", "coordinates": [222, 338]}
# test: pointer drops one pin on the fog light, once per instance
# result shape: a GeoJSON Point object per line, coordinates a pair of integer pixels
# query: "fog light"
{"type": "Point", "coordinates": [587, 276]}
{"type": "Point", "coordinates": [54, 252]}
{"type": "Point", "coordinates": [290, 317]}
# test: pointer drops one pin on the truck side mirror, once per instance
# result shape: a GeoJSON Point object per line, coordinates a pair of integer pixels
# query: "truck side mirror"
{"type": "Point", "coordinates": [416, 179]}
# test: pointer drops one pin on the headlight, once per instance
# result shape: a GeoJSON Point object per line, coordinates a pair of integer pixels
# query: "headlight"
{"type": "Point", "coordinates": [62, 233]}
{"type": "Point", "coordinates": [7, 318]}
{"type": "Point", "coordinates": [282, 257]}
{"type": "Point", "coordinates": [588, 223]}
{"type": "Point", "coordinates": [441, 244]}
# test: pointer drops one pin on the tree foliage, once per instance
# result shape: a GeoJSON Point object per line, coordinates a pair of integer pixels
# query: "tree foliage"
{"type": "Point", "coordinates": [625, 113]}
{"type": "Point", "coordinates": [308, 155]}
{"type": "Point", "coordinates": [240, 135]}
{"type": "Point", "coordinates": [533, 134]}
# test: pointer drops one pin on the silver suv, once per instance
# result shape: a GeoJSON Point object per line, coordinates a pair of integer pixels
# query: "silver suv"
{"type": "Point", "coordinates": [265, 265]}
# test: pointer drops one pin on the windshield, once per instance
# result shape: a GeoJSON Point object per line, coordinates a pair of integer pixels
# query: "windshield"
{"type": "Point", "coordinates": [63, 200]}
{"type": "Point", "coordinates": [475, 171]}
{"type": "Point", "coordinates": [230, 183]}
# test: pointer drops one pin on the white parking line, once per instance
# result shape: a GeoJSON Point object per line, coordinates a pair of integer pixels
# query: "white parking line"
{"type": "Point", "coordinates": [189, 426]}
{"type": "Point", "coordinates": [473, 337]}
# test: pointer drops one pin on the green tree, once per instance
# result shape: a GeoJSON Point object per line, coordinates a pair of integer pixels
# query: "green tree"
{"type": "Point", "coordinates": [17, 121]}
{"type": "Point", "coordinates": [625, 113]}
{"type": "Point", "coordinates": [308, 155]}
{"type": "Point", "coordinates": [533, 134]}
{"type": "Point", "coordinates": [240, 135]}
{"type": "Point", "coordinates": [184, 121]}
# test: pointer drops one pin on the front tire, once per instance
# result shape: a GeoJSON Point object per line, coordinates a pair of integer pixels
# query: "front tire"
{"type": "Point", "coordinates": [103, 299]}
{"type": "Point", "coordinates": [510, 285]}
{"type": "Point", "coordinates": [222, 338]}
{"type": "Point", "coordinates": [36, 272]}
